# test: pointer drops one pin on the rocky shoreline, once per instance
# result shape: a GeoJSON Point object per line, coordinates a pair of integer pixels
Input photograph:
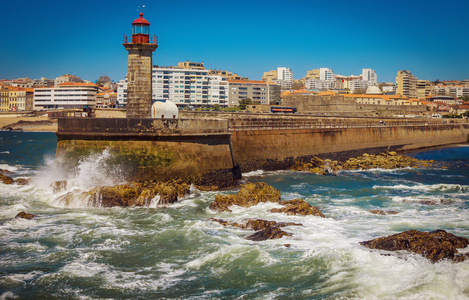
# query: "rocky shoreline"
{"type": "Point", "coordinates": [435, 246]}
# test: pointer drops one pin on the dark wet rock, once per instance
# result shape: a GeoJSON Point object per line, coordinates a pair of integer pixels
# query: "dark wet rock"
{"type": "Point", "coordinates": [59, 186]}
{"type": "Point", "coordinates": [248, 195]}
{"type": "Point", "coordinates": [298, 207]}
{"type": "Point", "coordinates": [268, 234]}
{"type": "Point", "coordinates": [22, 181]}
{"type": "Point", "coordinates": [436, 202]}
{"type": "Point", "coordinates": [382, 212]}
{"type": "Point", "coordinates": [435, 245]}
{"type": "Point", "coordinates": [25, 215]}
{"type": "Point", "coordinates": [4, 171]}
{"type": "Point", "coordinates": [256, 224]}
{"type": "Point", "coordinates": [265, 229]}
{"type": "Point", "coordinates": [6, 179]}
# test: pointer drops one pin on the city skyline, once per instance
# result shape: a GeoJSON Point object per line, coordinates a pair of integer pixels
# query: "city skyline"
{"type": "Point", "coordinates": [246, 38]}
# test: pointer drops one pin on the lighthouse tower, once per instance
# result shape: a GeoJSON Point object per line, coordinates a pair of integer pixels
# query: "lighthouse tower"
{"type": "Point", "coordinates": [140, 47]}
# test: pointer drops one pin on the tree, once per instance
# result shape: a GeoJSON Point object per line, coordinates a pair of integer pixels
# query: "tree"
{"type": "Point", "coordinates": [244, 102]}
{"type": "Point", "coordinates": [103, 79]}
{"type": "Point", "coordinates": [297, 85]}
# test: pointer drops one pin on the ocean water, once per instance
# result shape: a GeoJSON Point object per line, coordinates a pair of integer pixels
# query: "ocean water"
{"type": "Point", "coordinates": [175, 251]}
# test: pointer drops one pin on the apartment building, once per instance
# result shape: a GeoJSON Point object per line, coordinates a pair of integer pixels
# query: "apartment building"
{"type": "Point", "coordinates": [458, 91]}
{"type": "Point", "coordinates": [67, 78]}
{"type": "Point", "coordinates": [257, 91]}
{"type": "Point", "coordinates": [406, 84]}
{"type": "Point", "coordinates": [67, 95]}
{"type": "Point", "coordinates": [423, 88]}
{"type": "Point", "coordinates": [317, 84]}
{"type": "Point", "coordinates": [370, 76]}
{"type": "Point", "coordinates": [284, 78]}
{"type": "Point", "coordinates": [16, 99]}
{"type": "Point", "coordinates": [270, 76]}
{"type": "Point", "coordinates": [189, 87]}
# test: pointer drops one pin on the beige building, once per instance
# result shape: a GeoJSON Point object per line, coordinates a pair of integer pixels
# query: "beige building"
{"type": "Point", "coordinates": [4, 99]}
{"type": "Point", "coordinates": [257, 91]}
{"type": "Point", "coordinates": [423, 88]}
{"type": "Point", "coordinates": [313, 74]}
{"type": "Point", "coordinates": [16, 99]}
{"type": "Point", "coordinates": [191, 65]}
{"type": "Point", "coordinates": [225, 75]}
{"type": "Point", "coordinates": [270, 76]}
{"type": "Point", "coordinates": [406, 84]}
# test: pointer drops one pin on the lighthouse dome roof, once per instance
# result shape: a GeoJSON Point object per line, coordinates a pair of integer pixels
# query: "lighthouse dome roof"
{"type": "Point", "coordinates": [164, 110]}
{"type": "Point", "coordinates": [140, 21]}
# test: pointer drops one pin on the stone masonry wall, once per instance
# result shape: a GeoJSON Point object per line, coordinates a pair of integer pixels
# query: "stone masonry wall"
{"type": "Point", "coordinates": [139, 91]}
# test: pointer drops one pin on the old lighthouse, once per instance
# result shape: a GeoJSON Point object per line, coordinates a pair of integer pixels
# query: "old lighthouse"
{"type": "Point", "coordinates": [139, 81]}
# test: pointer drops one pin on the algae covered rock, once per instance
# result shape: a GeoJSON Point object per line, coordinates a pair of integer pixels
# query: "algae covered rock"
{"type": "Point", "coordinates": [22, 181]}
{"type": "Point", "coordinates": [132, 194]}
{"type": "Point", "coordinates": [6, 179]}
{"type": "Point", "coordinates": [24, 215]}
{"type": "Point", "coordinates": [248, 195]}
{"type": "Point", "coordinates": [318, 166]}
{"type": "Point", "coordinates": [388, 160]}
{"type": "Point", "coordinates": [298, 207]}
{"type": "Point", "coordinates": [435, 245]}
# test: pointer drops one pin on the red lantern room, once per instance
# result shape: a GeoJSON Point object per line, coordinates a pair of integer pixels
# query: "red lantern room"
{"type": "Point", "coordinates": [140, 30]}
{"type": "Point", "coordinates": [141, 33]}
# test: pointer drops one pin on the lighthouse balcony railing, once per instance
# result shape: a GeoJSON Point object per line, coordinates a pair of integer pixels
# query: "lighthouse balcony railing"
{"type": "Point", "coordinates": [153, 39]}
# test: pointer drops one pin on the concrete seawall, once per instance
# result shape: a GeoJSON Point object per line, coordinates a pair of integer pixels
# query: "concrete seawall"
{"type": "Point", "coordinates": [279, 149]}
{"type": "Point", "coordinates": [213, 152]}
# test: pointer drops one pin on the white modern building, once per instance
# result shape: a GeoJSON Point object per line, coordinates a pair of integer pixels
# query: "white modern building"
{"type": "Point", "coordinates": [189, 87]}
{"type": "Point", "coordinates": [326, 74]}
{"type": "Point", "coordinates": [66, 96]}
{"type": "Point", "coordinates": [284, 77]}
{"type": "Point", "coordinates": [122, 93]}
{"type": "Point", "coordinates": [317, 84]}
{"type": "Point", "coordinates": [370, 76]}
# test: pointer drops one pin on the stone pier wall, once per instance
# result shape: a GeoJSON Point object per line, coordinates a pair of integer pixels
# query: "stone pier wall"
{"type": "Point", "coordinates": [214, 152]}
{"type": "Point", "coordinates": [194, 151]}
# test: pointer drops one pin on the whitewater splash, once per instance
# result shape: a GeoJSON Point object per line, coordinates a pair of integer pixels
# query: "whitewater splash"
{"type": "Point", "coordinates": [92, 171]}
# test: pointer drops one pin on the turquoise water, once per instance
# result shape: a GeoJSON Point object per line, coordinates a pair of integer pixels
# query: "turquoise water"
{"type": "Point", "coordinates": [176, 252]}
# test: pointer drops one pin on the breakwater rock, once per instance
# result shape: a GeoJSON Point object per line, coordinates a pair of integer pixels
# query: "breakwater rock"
{"type": "Point", "coordinates": [9, 180]}
{"type": "Point", "coordinates": [435, 245]}
{"type": "Point", "coordinates": [254, 193]}
{"type": "Point", "coordinates": [249, 195]}
{"type": "Point", "coordinates": [388, 160]}
{"type": "Point", "coordinates": [298, 207]}
{"type": "Point", "coordinates": [132, 194]}
{"type": "Point", "coordinates": [265, 229]}
{"type": "Point", "coordinates": [24, 215]}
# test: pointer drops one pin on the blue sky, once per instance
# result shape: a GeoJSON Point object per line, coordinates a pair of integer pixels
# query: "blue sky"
{"type": "Point", "coordinates": [84, 38]}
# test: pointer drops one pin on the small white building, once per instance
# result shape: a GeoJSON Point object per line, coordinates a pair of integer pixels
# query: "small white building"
{"type": "Point", "coordinates": [164, 109]}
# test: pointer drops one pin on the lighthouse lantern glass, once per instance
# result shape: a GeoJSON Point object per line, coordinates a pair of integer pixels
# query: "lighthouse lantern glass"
{"type": "Point", "coordinates": [140, 29]}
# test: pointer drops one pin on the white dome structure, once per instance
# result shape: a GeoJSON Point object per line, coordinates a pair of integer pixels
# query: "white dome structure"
{"type": "Point", "coordinates": [164, 110]}
{"type": "Point", "coordinates": [373, 90]}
